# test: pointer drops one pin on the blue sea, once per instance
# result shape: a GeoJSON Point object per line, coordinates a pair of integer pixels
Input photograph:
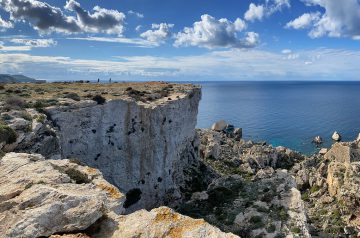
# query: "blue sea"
{"type": "Point", "coordinates": [290, 114]}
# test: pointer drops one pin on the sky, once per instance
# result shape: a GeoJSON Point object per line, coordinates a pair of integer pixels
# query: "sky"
{"type": "Point", "coordinates": [181, 40]}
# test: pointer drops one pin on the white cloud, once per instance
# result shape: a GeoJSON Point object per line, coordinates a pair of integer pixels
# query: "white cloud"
{"type": "Point", "coordinates": [159, 33]}
{"type": "Point", "coordinates": [138, 28]}
{"type": "Point", "coordinates": [34, 42]}
{"type": "Point", "coordinates": [304, 21]}
{"type": "Point", "coordinates": [137, 14]}
{"type": "Point", "coordinates": [46, 18]}
{"type": "Point", "coordinates": [213, 33]}
{"type": "Point", "coordinates": [338, 20]}
{"type": "Point", "coordinates": [235, 64]}
{"type": "Point", "coordinates": [5, 24]}
{"type": "Point", "coordinates": [258, 12]}
{"type": "Point", "coordinates": [254, 13]}
{"type": "Point", "coordinates": [131, 41]}
{"type": "Point", "coordinates": [101, 21]}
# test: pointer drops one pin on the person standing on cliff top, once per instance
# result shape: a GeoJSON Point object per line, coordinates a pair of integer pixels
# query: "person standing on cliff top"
{"type": "Point", "coordinates": [110, 80]}
{"type": "Point", "coordinates": [98, 80]}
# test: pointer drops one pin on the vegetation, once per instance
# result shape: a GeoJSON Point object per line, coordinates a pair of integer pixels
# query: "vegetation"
{"type": "Point", "coordinates": [7, 134]}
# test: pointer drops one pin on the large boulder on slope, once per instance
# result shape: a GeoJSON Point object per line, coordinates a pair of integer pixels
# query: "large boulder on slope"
{"type": "Point", "coordinates": [42, 197]}
{"type": "Point", "coordinates": [219, 126]}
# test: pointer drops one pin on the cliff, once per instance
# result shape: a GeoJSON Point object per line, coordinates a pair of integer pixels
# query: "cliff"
{"type": "Point", "coordinates": [139, 135]}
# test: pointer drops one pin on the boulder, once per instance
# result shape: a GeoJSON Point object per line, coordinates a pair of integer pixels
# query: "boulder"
{"type": "Point", "coordinates": [323, 151]}
{"type": "Point", "coordinates": [219, 126]}
{"type": "Point", "coordinates": [358, 138]}
{"type": "Point", "coordinates": [336, 136]}
{"type": "Point", "coordinates": [317, 140]}
{"type": "Point", "coordinates": [164, 222]}
{"type": "Point", "coordinates": [41, 197]}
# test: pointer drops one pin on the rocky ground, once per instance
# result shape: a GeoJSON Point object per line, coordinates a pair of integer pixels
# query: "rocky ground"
{"type": "Point", "coordinates": [231, 188]}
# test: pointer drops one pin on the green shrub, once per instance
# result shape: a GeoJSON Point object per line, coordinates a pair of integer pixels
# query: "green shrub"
{"type": "Point", "coordinates": [73, 96]}
{"type": "Point", "coordinates": [40, 118]}
{"type": "Point", "coordinates": [99, 99]}
{"type": "Point", "coordinates": [77, 176]}
{"type": "Point", "coordinates": [7, 134]}
{"type": "Point", "coordinates": [26, 116]}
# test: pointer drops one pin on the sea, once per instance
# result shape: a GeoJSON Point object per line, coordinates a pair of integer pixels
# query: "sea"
{"type": "Point", "coordinates": [286, 114]}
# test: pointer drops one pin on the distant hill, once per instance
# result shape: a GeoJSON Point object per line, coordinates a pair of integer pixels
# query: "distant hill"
{"type": "Point", "coordinates": [7, 78]}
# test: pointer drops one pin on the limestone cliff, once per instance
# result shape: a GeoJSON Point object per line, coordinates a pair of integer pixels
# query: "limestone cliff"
{"type": "Point", "coordinates": [137, 145]}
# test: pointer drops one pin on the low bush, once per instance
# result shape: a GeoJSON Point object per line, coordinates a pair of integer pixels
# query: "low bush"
{"type": "Point", "coordinates": [73, 96]}
{"type": "Point", "coordinates": [99, 99]}
{"type": "Point", "coordinates": [14, 103]}
{"type": "Point", "coordinates": [7, 134]}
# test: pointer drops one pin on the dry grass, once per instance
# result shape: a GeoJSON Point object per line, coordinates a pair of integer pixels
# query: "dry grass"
{"type": "Point", "coordinates": [48, 91]}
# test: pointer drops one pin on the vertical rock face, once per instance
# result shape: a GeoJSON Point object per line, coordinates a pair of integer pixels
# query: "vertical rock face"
{"type": "Point", "coordinates": [137, 146]}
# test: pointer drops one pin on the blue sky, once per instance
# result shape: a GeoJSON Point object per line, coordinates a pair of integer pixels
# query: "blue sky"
{"type": "Point", "coordinates": [181, 40]}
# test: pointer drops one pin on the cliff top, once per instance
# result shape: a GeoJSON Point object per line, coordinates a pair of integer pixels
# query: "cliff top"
{"type": "Point", "coordinates": [146, 92]}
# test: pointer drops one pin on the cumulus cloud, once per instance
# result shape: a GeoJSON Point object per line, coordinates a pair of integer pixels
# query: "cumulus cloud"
{"type": "Point", "coordinates": [338, 20]}
{"type": "Point", "coordinates": [35, 42]}
{"type": "Point", "coordinates": [258, 12]}
{"type": "Point", "coordinates": [212, 33]}
{"type": "Point", "coordinates": [304, 21]}
{"type": "Point", "coordinates": [47, 18]}
{"type": "Point", "coordinates": [102, 20]}
{"type": "Point", "coordinates": [41, 15]}
{"type": "Point", "coordinates": [137, 14]}
{"type": "Point", "coordinates": [5, 24]}
{"type": "Point", "coordinates": [254, 13]}
{"type": "Point", "coordinates": [159, 33]}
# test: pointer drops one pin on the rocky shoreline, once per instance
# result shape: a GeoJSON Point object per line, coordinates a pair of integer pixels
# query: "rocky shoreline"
{"type": "Point", "coordinates": [74, 165]}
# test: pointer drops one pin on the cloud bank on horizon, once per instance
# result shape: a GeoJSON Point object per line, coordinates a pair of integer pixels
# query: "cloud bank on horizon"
{"type": "Point", "coordinates": [239, 40]}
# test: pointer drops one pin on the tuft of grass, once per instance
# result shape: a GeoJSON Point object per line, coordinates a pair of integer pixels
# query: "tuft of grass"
{"type": "Point", "coordinates": [14, 103]}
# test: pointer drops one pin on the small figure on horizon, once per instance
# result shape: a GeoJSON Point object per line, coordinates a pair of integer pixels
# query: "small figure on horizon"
{"type": "Point", "coordinates": [110, 80]}
{"type": "Point", "coordinates": [98, 80]}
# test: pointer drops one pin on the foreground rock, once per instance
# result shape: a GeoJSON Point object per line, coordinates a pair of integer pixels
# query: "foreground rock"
{"type": "Point", "coordinates": [41, 197]}
{"type": "Point", "coordinates": [164, 222]}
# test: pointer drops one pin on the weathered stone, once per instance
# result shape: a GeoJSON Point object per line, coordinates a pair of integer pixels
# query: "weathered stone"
{"type": "Point", "coordinates": [219, 125]}
{"type": "Point", "coordinates": [336, 136]}
{"type": "Point", "coordinates": [164, 222]}
{"type": "Point", "coordinates": [323, 151]}
{"type": "Point", "coordinates": [318, 140]}
{"type": "Point", "coordinates": [136, 145]}
{"type": "Point", "coordinates": [358, 138]}
{"type": "Point", "coordinates": [41, 197]}
{"type": "Point", "coordinates": [343, 153]}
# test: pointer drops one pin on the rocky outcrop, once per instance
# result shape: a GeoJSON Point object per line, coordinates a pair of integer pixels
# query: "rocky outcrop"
{"type": "Point", "coordinates": [35, 134]}
{"type": "Point", "coordinates": [136, 145]}
{"type": "Point", "coordinates": [163, 222]}
{"type": "Point", "coordinates": [41, 197]}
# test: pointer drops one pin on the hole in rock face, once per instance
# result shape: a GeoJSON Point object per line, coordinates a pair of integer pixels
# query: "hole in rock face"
{"type": "Point", "coordinates": [132, 197]}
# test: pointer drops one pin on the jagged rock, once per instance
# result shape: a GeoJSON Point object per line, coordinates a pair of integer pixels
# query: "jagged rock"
{"type": "Point", "coordinates": [318, 140]}
{"type": "Point", "coordinates": [336, 136]}
{"type": "Point", "coordinates": [79, 235]}
{"type": "Point", "coordinates": [41, 197]}
{"type": "Point", "coordinates": [343, 153]}
{"type": "Point", "coordinates": [238, 133]}
{"type": "Point", "coordinates": [323, 151]}
{"type": "Point", "coordinates": [162, 222]}
{"type": "Point", "coordinates": [219, 126]}
{"type": "Point", "coordinates": [358, 138]}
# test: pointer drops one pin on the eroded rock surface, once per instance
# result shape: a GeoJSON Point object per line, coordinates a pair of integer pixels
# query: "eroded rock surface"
{"type": "Point", "coordinates": [41, 197]}
{"type": "Point", "coordinates": [137, 146]}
